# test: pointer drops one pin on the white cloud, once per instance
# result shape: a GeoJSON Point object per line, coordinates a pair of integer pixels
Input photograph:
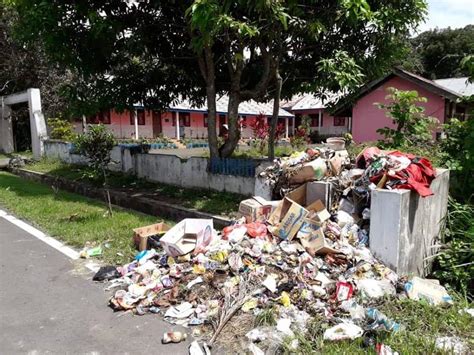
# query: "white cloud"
{"type": "Point", "coordinates": [448, 13]}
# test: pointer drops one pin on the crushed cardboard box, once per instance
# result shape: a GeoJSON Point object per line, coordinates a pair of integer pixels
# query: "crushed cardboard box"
{"type": "Point", "coordinates": [141, 235]}
{"type": "Point", "coordinates": [188, 235]}
{"type": "Point", "coordinates": [257, 209]}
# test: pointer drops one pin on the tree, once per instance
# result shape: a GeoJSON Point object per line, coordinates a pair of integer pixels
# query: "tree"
{"type": "Point", "coordinates": [96, 145]}
{"type": "Point", "coordinates": [412, 126]}
{"type": "Point", "coordinates": [128, 52]}
{"type": "Point", "coordinates": [438, 53]}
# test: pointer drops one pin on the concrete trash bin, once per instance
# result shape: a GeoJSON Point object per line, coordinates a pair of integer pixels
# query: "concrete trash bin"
{"type": "Point", "coordinates": [404, 226]}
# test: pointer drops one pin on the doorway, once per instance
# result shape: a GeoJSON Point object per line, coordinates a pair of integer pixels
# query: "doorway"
{"type": "Point", "coordinates": [21, 128]}
{"type": "Point", "coordinates": [157, 128]}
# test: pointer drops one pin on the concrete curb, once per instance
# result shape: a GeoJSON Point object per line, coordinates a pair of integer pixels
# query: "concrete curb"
{"type": "Point", "coordinates": [135, 202]}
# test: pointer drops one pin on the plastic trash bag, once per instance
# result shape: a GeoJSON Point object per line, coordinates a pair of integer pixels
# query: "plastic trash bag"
{"type": "Point", "coordinates": [108, 272]}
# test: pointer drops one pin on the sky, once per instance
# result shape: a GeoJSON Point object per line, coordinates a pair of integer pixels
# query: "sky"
{"type": "Point", "coordinates": [448, 13]}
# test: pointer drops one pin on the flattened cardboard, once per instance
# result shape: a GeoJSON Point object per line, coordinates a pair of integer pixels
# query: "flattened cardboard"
{"type": "Point", "coordinates": [140, 235]}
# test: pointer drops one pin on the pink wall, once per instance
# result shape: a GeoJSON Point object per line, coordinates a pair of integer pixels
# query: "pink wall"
{"type": "Point", "coordinates": [121, 127]}
{"type": "Point", "coordinates": [367, 117]}
{"type": "Point", "coordinates": [327, 126]}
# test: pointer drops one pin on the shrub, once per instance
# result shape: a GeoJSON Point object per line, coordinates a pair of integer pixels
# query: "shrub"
{"type": "Point", "coordinates": [458, 149]}
{"type": "Point", "coordinates": [455, 264]}
{"type": "Point", "coordinates": [96, 145]}
{"type": "Point", "coordinates": [413, 127]}
{"type": "Point", "coordinates": [61, 129]}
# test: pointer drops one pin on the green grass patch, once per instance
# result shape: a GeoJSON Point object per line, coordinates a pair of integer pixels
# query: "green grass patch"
{"type": "Point", "coordinates": [421, 325]}
{"type": "Point", "coordinates": [220, 203]}
{"type": "Point", "coordinates": [72, 218]}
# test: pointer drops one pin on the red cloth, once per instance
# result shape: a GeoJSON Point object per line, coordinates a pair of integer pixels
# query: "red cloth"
{"type": "Point", "coordinates": [417, 176]}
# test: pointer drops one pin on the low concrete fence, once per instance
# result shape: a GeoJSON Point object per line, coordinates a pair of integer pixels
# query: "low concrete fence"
{"type": "Point", "coordinates": [169, 169]}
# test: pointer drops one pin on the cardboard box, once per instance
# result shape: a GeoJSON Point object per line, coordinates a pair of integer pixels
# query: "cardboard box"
{"type": "Point", "coordinates": [287, 218]}
{"type": "Point", "coordinates": [310, 192]}
{"type": "Point", "coordinates": [140, 236]}
{"type": "Point", "coordinates": [188, 235]}
{"type": "Point", "coordinates": [313, 240]}
{"type": "Point", "coordinates": [318, 211]}
{"type": "Point", "coordinates": [257, 209]}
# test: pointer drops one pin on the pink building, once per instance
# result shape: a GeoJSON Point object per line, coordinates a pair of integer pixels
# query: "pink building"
{"type": "Point", "coordinates": [442, 96]}
{"type": "Point", "coordinates": [321, 120]}
{"type": "Point", "coordinates": [183, 120]}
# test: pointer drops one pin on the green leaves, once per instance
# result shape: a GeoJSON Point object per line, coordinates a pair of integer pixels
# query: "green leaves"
{"type": "Point", "coordinates": [343, 68]}
{"type": "Point", "coordinates": [413, 127]}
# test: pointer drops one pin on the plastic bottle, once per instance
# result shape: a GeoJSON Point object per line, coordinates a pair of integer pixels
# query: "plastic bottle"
{"type": "Point", "coordinates": [381, 319]}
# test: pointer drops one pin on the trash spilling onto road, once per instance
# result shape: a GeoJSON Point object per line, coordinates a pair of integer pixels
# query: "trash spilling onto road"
{"type": "Point", "coordinates": [284, 262]}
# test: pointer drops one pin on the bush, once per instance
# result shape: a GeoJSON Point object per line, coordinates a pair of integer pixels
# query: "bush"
{"type": "Point", "coordinates": [413, 127]}
{"type": "Point", "coordinates": [455, 265]}
{"type": "Point", "coordinates": [458, 149]}
{"type": "Point", "coordinates": [61, 129]}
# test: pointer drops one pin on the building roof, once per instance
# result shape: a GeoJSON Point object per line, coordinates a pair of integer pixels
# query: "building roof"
{"type": "Point", "coordinates": [250, 107]}
{"type": "Point", "coordinates": [308, 102]}
{"type": "Point", "coordinates": [461, 86]}
{"type": "Point", "coordinates": [449, 89]}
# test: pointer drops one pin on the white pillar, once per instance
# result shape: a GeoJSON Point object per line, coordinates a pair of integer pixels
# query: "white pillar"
{"type": "Point", "coordinates": [286, 127]}
{"type": "Point", "coordinates": [177, 125]}
{"type": "Point", "coordinates": [294, 128]}
{"type": "Point", "coordinates": [84, 124]}
{"type": "Point", "coordinates": [37, 123]}
{"type": "Point", "coordinates": [350, 124]}
{"type": "Point", "coordinates": [319, 121]}
{"type": "Point", "coordinates": [135, 121]}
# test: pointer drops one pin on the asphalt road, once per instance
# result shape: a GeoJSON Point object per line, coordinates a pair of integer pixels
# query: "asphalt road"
{"type": "Point", "coordinates": [48, 305]}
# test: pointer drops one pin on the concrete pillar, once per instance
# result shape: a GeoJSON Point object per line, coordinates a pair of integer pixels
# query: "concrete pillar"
{"type": "Point", "coordinates": [6, 131]}
{"type": "Point", "coordinates": [135, 122]}
{"type": "Point", "coordinates": [294, 128]}
{"type": "Point", "coordinates": [350, 124]}
{"type": "Point", "coordinates": [404, 227]}
{"type": "Point", "coordinates": [320, 119]}
{"type": "Point", "coordinates": [37, 123]}
{"type": "Point", "coordinates": [286, 127]}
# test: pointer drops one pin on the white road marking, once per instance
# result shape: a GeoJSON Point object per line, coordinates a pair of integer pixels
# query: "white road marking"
{"type": "Point", "coordinates": [54, 243]}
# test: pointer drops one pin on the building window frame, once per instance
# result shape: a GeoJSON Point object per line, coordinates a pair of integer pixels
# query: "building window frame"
{"type": "Point", "coordinates": [339, 121]}
{"type": "Point", "coordinates": [140, 117]}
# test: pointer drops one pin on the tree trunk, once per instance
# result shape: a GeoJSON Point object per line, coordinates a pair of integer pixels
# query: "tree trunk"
{"type": "Point", "coordinates": [234, 130]}
{"type": "Point", "coordinates": [274, 120]}
{"type": "Point", "coordinates": [206, 64]}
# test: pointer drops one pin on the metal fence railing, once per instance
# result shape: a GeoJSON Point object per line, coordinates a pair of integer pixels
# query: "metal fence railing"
{"type": "Point", "coordinates": [229, 166]}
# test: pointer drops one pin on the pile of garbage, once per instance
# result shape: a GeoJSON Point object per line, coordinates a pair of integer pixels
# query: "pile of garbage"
{"type": "Point", "coordinates": [304, 255]}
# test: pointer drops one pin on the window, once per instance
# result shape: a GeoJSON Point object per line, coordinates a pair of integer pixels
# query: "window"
{"type": "Point", "coordinates": [101, 117]}
{"type": "Point", "coordinates": [104, 117]}
{"type": "Point", "coordinates": [339, 121]}
{"type": "Point", "coordinates": [243, 121]}
{"type": "Point", "coordinates": [173, 118]}
{"type": "Point", "coordinates": [140, 117]}
{"type": "Point", "coordinates": [205, 119]}
{"type": "Point", "coordinates": [314, 120]}
{"type": "Point", "coordinates": [222, 120]}
{"type": "Point", "coordinates": [185, 119]}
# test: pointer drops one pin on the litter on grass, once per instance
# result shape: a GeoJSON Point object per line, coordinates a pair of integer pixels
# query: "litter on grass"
{"type": "Point", "coordinates": [303, 256]}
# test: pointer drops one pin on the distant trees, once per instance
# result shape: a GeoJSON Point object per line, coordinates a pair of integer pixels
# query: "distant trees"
{"type": "Point", "coordinates": [437, 53]}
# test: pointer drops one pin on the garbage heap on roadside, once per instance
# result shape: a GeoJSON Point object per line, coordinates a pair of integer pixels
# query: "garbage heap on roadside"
{"type": "Point", "coordinates": [288, 260]}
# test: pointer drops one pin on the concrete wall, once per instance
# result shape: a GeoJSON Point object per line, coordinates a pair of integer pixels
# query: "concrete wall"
{"type": "Point", "coordinates": [168, 169]}
{"type": "Point", "coordinates": [405, 226]}
{"type": "Point", "coordinates": [367, 117]}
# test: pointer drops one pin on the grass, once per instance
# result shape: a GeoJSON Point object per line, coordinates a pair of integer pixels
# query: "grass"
{"type": "Point", "coordinates": [421, 325]}
{"type": "Point", "coordinates": [220, 203]}
{"type": "Point", "coordinates": [72, 218]}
